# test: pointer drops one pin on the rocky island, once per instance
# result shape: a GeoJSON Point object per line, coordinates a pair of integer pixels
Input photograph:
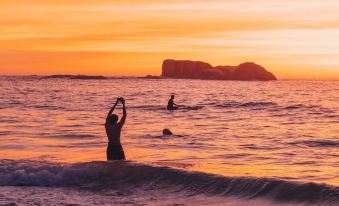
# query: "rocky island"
{"type": "Point", "coordinates": [187, 69]}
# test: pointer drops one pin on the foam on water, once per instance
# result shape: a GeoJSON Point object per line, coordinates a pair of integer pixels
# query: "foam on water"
{"type": "Point", "coordinates": [121, 175]}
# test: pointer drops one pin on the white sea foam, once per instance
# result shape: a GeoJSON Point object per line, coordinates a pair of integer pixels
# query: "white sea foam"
{"type": "Point", "coordinates": [121, 175]}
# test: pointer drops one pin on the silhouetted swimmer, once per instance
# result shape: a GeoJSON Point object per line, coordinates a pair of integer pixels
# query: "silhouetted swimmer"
{"type": "Point", "coordinates": [113, 131]}
{"type": "Point", "coordinates": [166, 132]}
{"type": "Point", "coordinates": [171, 105]}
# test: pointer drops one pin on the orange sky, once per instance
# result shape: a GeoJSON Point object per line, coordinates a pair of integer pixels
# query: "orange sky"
{"type": "Point", "coordinates": [291, 38]}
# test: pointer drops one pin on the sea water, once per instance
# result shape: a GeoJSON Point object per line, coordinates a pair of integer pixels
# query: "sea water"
{"type": "Point", "coordinates": [234, 142]}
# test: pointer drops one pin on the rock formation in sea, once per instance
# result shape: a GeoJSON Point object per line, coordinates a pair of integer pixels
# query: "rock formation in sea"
{"type": "Point", "coordinates": [187, 69]}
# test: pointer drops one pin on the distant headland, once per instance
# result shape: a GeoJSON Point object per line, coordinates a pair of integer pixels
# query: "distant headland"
{"type": "Point", "coordinates": [63, 76]}
{"type": "Point", "coordinates": [187, 69]}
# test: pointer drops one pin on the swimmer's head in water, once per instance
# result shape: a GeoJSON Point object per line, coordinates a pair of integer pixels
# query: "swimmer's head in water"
{"type": "Point", "coordinates": [113, 119]}
{"type": "Point", "coordinates": [166, 132]}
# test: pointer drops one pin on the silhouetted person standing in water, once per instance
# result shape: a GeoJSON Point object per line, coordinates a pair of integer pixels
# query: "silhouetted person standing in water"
{"type": "Point", "coordinates": [113, 131]}
{"type": "Point", "coordinates": [171, 105]}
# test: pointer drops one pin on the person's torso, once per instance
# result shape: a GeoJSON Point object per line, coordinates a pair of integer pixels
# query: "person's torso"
{"type": "Point", "coordinates": [113, 133]}
{"type": "Point", "coordinates": [170, 104]}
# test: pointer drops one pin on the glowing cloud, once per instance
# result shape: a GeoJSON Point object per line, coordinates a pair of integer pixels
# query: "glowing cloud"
{"type": "Point", "coordinates": [293, 39]}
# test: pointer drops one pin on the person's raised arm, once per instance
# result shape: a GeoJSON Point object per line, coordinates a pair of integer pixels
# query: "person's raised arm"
{"type": "Point", "coordinates": [124, 114]}
{"type": "Point", "coordinates": [111, 110]}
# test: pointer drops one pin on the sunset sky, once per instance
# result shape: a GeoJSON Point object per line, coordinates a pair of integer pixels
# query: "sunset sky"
{"type": "Point", "coordinates": [291, 38]}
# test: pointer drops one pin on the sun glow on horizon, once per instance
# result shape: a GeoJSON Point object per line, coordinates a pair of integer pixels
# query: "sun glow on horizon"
{"type": "Point", "coordinates": [292, 39]}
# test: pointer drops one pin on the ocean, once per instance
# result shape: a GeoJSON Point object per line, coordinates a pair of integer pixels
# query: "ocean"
{"type": "Point", "coordinates": [234, 142]}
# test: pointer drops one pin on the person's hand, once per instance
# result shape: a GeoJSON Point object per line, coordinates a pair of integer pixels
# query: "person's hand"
{"type": "Point", "coordinates": [122, 100]}
{"type": "Point", "coordinates": [117, 101]}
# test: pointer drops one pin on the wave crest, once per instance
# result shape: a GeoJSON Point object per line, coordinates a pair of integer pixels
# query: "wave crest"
{"type": "Point", "coordinates": [123, 174]}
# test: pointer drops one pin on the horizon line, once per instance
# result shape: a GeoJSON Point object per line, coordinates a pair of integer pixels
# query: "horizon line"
{"type": "Point", "coordinates": [138, 76]}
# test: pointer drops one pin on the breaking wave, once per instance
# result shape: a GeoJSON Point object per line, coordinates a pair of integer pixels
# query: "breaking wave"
{"type": "Point", "coordinates": [124, 175]}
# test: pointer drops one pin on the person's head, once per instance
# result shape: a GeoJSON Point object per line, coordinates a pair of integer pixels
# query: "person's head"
{"type": "Point", "coordinates": [113, 119]}
{"type": "Point", "coordinates": [166, 132]}
{"type": "Point", "coordinates": [172, 96]}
